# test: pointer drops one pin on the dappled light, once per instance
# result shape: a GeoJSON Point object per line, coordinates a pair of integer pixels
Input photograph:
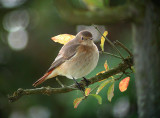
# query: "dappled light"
{"type": "Point", "coordinates": [18, 40]}
{"type": "Point", "coordinates": [16, 20]}
{"type": "Point", "coordinates": [121, 107]}
{"type": "Point", "coordinates": [12, 3]}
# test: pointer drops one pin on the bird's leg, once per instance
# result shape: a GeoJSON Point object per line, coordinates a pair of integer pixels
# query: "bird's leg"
{"type": "Point", "coordinates": [86, 81]}
{"type": "Point", "coordinates": [78, 85]}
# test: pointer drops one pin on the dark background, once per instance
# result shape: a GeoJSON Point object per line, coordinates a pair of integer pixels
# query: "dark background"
{"type": "Point", "coordinates": [26, 52]}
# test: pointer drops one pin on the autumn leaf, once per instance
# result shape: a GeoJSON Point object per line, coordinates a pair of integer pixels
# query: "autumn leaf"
{"type": "Point", "coordinates": [98, 97]}
{"type": "Point", "coordinates": [63, 38]}
{"type": "Point", "coordinates": [106, 65]}
{"type": "Point", "coordinates": [87, 91]}
{"type": "Point", "coordinates": [103, 85]}
{"type": "Point", "coordinates": [103, 40]}
{"type": "Point", "coordinates": [110, 92]}
{"type": "Point", "coordinates": [123, 85]}
{"type": "Point", "coordinates": [77, 101]}
{"type": "Point", "coordinates": [106, 68]}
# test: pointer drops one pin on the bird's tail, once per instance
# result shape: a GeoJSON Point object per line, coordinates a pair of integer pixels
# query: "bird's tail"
{"type": "Point", "coordinates": [42, 79]}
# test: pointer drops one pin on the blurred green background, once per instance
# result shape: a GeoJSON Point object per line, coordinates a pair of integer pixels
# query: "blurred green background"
{"type": "Point", "coordinates": [26, 52]}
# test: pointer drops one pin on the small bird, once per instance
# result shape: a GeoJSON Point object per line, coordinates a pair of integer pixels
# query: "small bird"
{"type": "Point", "coordinates": [76, 59]}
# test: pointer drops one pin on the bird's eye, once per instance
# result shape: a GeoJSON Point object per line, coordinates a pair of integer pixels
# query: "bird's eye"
{"type": "Point", "coordinates": [82, 38]}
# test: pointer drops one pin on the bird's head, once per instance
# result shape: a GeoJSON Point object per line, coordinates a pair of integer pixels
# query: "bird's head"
{"type": "Point", "coordinates": [85, 37]}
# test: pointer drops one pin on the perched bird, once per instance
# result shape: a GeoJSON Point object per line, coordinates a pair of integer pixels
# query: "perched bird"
{"type": "Point", "coordinates": [76, 59]}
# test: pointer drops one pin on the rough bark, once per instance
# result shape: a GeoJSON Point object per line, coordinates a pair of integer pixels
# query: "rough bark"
{"type": "Point", "coordinates": [147, 61]}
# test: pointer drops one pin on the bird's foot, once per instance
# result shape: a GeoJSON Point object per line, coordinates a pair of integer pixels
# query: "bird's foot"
{"type": "Point", "coordinates": [87, 82]}
{"type": "Point", "coordinates": [80, 86]}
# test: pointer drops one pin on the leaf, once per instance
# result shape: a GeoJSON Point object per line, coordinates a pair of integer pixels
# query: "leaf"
{"type": "Point", "coordinates": [106, 65]}
{"type": "Point", "coordinates": [123, 84]}
{"type": "Point", "coordinates": [63, 38]}
{"type": "Point", "coordinates": [133, 69]}
{"type": "Point", "coordinates": [87, 91]}
{"type": "Point", "coordinates": [110, 93]}
{"type": "Point", "coordinates": [103, 40]}
{"type": "Point", "coordinates": [103, 85]}
{"type": "Point", "coordinates": [98, 97]}
{"type": "Point", "coordinates": [106, 68]}
{"type": "Point", "coordinates": [77, 101]}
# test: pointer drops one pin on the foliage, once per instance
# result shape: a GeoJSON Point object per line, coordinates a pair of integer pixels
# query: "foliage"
{"type": "Point", "coordinates": [63, 39]}
{"type": "Point", "coordinates": [103, 40]}
{"type": "Point", "coordinates": [123, 84]}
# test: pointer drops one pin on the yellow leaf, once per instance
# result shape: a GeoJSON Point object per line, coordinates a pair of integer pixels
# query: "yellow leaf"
{"type": "Point", "coordinates": [106, 68]}
{"type": "Point", "coordinates": [87, 91]}
{"type": "Point", "coordinates": [103, 40]}
{"type": "Point", "coordinates": [77, 101]}
{"type": "Point", "coordinates": [110, 92]}
{"type": "Point", "coordinates": [123, 85]}
{"type": "Point", "coordinates": [103, 85]}
{"type": "Point", "coordinates": [63, 38]}
{"type": "Point", "coordinates": [100, 72]}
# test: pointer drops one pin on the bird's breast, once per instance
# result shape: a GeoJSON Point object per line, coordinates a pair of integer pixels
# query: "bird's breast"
{"type": "Point", "coordinates": [82, 63]}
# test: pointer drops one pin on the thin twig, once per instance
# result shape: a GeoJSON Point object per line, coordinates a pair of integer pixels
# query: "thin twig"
{"type": "Point", "coordinates": [94, 89]}
{"type": "Point", "coordinates": [122, 67]}
{"type": "Point", "coordinates": [124, 47]}
{"type": "Point", "coordinates": [110, 54]}
{"type": "Point", "coordinates": [109, 42]}
{"type": "Point", "coordinates": [126, 73]}
{"type": "Point", "coordinates": [59, 82]}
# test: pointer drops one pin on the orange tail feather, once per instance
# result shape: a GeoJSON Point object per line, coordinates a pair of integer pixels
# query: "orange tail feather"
{"type": "Point", "coordinates": [42, 79]}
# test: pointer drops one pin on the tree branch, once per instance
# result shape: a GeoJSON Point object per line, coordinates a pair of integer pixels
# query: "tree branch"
{"type": "Point", "coordinates": [101, 16]}
{"type": "Point", "coordinates": [122, 67]}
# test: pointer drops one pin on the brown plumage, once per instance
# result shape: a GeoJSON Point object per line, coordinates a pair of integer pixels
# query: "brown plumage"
{"type": "Point", "coordinates": [76, 59]}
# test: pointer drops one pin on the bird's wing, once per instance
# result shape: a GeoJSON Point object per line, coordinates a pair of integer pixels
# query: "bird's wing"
{"type": "Point", "coordinates": [66, 52]}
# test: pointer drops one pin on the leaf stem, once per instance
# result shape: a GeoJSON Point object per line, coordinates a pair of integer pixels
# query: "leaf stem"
{"type": "Point", "coordinates": [124, 47]}
{"type": "Point", "coordinates": [110, 54]}
{"type": "Point", "coordinates": [109, 42]}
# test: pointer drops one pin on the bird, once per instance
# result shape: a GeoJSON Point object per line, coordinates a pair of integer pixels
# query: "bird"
{"type": "Point", "coordinates": [75, 60]}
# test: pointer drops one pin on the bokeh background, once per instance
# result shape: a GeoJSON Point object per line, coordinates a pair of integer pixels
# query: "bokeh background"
{"type": "Point", "coordinates": [26, 52]}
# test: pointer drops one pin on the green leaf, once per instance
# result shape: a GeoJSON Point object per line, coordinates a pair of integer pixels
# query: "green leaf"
{"type": "Point", "coordinates": [133, 69]}
{"type": "Point", "coordinates": [98, 97]}
{"type": "Point", "coordinates": [110, 92]}
{"type": "Point", "coordinates": [103, 40]}
{"type": "Point", "coordinates": [77, 101]}
{"type": "Point", "coordinates": [103, 85]}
